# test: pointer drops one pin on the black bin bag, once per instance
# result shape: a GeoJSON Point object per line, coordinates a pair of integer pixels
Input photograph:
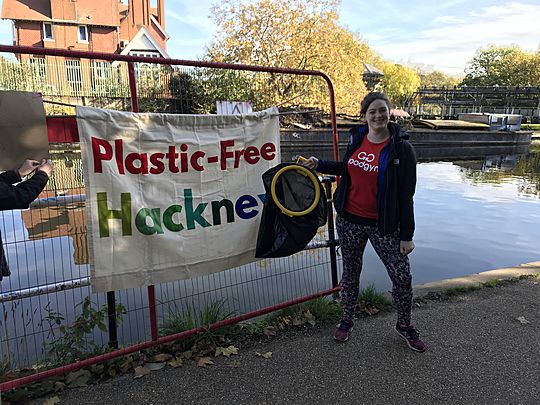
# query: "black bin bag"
{"type": "Point", "coordinates": [281, 234]}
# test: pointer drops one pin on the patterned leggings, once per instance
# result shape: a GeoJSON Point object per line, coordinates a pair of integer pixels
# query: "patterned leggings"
{"type": "Point", "coordinates": [353, 239]}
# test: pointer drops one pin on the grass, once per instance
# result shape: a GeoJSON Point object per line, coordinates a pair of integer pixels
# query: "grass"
{"type": "Point", "coordinates": [454, 291]}
{"type": "Point", "coordinates": [371, 297]}
{"type": "Point", "coordinates": [530, 127]}
{"type": "Point", "coordinates": [5, 365]}
{"type": "Point", "coordinates": [187, 319]}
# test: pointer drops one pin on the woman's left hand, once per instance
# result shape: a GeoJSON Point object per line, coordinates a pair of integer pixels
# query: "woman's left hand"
{"type": "Point", "coordinates": [406, 247]}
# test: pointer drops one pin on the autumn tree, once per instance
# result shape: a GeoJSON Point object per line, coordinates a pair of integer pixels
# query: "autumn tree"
{"type": "Point", "coordinates": [399, 82]}
{"type": "Point", "coordinates": [438, 79]}
{"type": "Point", "coordinates": [294, 34]}
{"type": "Point", "coordinates": [503, 66]}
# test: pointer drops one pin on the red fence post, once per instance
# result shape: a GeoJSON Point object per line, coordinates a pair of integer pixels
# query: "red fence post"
{"type": "Point", "coordinates": [151, 291]}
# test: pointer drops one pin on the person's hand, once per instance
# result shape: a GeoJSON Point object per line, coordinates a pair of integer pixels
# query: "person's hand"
{"type": "Point", "coordinates": [46, 166]}
{"type": "Point", "coordinates": [27, 167]}
{"type": "Point", "coordinates": [406, 247]}
{"type": "Point", "coordinates": [310, 163]}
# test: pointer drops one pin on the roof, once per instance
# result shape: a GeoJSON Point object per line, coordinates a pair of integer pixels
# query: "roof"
{"type": "Point", "coordinates": [144, 40]}
{"type": "Point", "coordinates": [372, 70]}
{"type": "Point", "coordinates": [87, 12]}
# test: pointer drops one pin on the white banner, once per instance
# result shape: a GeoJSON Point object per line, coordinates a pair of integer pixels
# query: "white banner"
{"type": "Point", "coordinates": [173, 196]}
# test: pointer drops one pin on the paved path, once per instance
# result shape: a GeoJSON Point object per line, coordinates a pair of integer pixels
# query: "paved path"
{"type": "Point", "coordinates": [478, 353]}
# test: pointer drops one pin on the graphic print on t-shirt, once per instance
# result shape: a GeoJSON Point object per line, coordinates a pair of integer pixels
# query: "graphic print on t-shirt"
{"type": "Point", "coordinates": [363, 168]}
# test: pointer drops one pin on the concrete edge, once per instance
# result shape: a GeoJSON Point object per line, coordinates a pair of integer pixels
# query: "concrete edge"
{"type": "Point", "coordinates": [532, 268]}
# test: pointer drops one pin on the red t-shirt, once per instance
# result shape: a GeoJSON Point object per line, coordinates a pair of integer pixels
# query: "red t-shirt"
{"type": "Point", "coordinates": [363, 168]}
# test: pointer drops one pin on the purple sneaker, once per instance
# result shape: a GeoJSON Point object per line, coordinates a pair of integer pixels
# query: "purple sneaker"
{"type": "Point", "coordinates": [343, 331]}
{"type": "Point", "coordinates": [412, 337]}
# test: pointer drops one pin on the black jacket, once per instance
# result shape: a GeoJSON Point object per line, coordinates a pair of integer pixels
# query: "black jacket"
{"type": "Point", "coordinates": [18, 197]}
{"type": "Point", "coordinates": [396, 180]}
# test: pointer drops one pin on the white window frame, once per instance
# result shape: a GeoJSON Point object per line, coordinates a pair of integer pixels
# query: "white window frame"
{"type": "Point", "coordinates": [44, 33]}
{"type": "Point", "coordinates": [79, 39]}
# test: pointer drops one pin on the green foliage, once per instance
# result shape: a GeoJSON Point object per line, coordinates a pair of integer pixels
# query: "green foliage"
{"type": "Point", "coordinates": [530, 127]}
{"type": "Point", "coordinates": [182, 320]}
{"type": "Point", "coordinates": [293, 34]}
{"type": "Point", "coordinates": [5, 365]}
{"type": "Point", "coordinates": [399, 83]}
{"type": "Point", "coordinates": [73, 343]}
{"type": "Point", "coordinates": [503, 66]}
{"type": "Point", "coordinates": [370, 297]}
{"type": "Point", "coordinates": [438, 79]}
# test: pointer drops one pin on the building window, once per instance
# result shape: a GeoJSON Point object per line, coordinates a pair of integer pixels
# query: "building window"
{"type": "Point", "coordinates": [102, 80]}
{"type": "Point", "coordinates": [48, 32]}
{"type": "Point", "coordinates": [74, 76]}
{"type": "Point", "coordinates": [39, 71]}
{"type": "Point", "coordinates": [82, 33]}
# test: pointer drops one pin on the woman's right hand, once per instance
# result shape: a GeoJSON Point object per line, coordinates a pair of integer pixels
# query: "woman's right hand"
{"type": "Point", "coordinates": [311, 163]}
{"type": "Point", "coordinates": [46, 166]}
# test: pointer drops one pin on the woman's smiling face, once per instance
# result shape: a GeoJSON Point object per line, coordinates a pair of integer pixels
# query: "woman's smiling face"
{"type": "Point", "coordinates": [377, 115]}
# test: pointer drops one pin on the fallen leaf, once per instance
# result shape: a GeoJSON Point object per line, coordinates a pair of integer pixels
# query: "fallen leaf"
{"type": "Point", "coordinates": [158, 358]}
{"type": "Point", "coordinates": [522, 320]}
{"type": "Point", "coordinates": [154, 366]}
{"type": "Point", "coordinates": [270, 331]}
{"type": "Point", "coordinates": [204, 361]}
{"type": "Point", "coordinates": [265, 355]}
{"type": "Point", "coordinates": [141, 371]}
{"type": "Point", "coordinates": [233, 364]}
{"type": "Point", "coordinates": [187, 354]}
{"type": "Point", "coordinates": [298, 321]}
{"type": "Point", "coordinates": [371, 310]}
{"type": "Point", "coordinates": [97, 368]}
{"type": "Point", "coordinates": [78, 378]}
{"type": "Point", "coordinates": [52, 401]}
{"type": "Point", "coordinates": [226, 351]}
{"type": "Point", "coordinates": [176, 362]}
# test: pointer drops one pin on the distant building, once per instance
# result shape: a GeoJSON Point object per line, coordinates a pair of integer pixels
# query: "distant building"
{"type": "Point", "coordinates": [107, 26]}
{"type": "Point", "coordinates": [371, 76]}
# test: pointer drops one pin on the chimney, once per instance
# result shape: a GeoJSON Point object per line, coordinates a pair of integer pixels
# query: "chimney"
{"type": "Point", "coordinates": [161, 14]}
{"type": "Point", "coordinates": [136, 13]}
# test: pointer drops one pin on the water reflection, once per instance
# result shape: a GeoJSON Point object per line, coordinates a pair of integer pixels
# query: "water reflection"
{"type": "Point", "coordinates": [471, 216]}
{"type": "Point", "coordinates": [524, 170]}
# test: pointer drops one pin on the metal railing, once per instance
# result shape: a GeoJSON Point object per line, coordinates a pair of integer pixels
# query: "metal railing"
{"type": "Point", "coordinates": [47, 251]}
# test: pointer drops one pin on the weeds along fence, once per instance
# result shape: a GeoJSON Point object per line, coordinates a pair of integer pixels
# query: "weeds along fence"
{"type": "Point", "coordinates": [50, 322]}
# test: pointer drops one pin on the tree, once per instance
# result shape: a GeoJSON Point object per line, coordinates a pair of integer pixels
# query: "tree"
{"type": "Point", "coordinates": [503, 66]}
{"type": "Point", "coordinates": [399, 82]}
{"type": "Point", "coordinates": [438, 79]}
{"type": "Point", "coordinates": [295, 34]}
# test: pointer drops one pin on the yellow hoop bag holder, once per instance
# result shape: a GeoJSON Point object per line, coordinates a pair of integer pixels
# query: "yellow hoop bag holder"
{"type": "Point", "coordinates": [295, 207]}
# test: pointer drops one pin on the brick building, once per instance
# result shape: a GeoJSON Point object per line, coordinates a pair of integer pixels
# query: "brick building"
{"type": "Point", "coordinates": [109, 26]}
{"type": "Point", "coordinates": [91, 25]}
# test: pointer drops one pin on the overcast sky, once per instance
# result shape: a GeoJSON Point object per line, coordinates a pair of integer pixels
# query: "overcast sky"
{"type": "Point", "coordinates": [442, 34]}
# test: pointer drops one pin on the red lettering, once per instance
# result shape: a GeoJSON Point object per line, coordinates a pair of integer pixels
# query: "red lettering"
{"type": "Point", "coordinates": [98, 155]}
{"type": "Point", "coordinates": [251, 155]}
{"type": "Point", "coordinates": [119, 155]}
{"type": "Point", "coordinates": [195, 160]}
{"type": "Point", "coordinates": [172, 156]}
{"type": "Point", "coordinates": [224, 153]}
{"type": "Point", "coordinates": [268, 151]}
{"type": "Point", "coordinates": [141, 157]}
{"type": "Point", "coordinates": [158, 166]}
{"type": "Point", "coordinates": [237, 155]}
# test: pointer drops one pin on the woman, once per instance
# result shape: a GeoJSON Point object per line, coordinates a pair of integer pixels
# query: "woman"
{"type": "Point", "coordinates": [374, 202]}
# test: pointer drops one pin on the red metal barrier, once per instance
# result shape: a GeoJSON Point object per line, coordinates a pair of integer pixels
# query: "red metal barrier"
{"type": "Point", "coordinates": [64, 129]}
{"type": "Point", "coordinates": [146, 345]}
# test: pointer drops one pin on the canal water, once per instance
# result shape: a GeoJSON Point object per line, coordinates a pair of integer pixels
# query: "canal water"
{"type": "Point", "coordinates": [471, 216]}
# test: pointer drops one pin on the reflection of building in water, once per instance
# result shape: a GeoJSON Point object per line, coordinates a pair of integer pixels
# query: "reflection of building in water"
{"type": "Point", "coordinates": [62, 220]}
{"type": "Point", "coordinates": [508, 162]}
